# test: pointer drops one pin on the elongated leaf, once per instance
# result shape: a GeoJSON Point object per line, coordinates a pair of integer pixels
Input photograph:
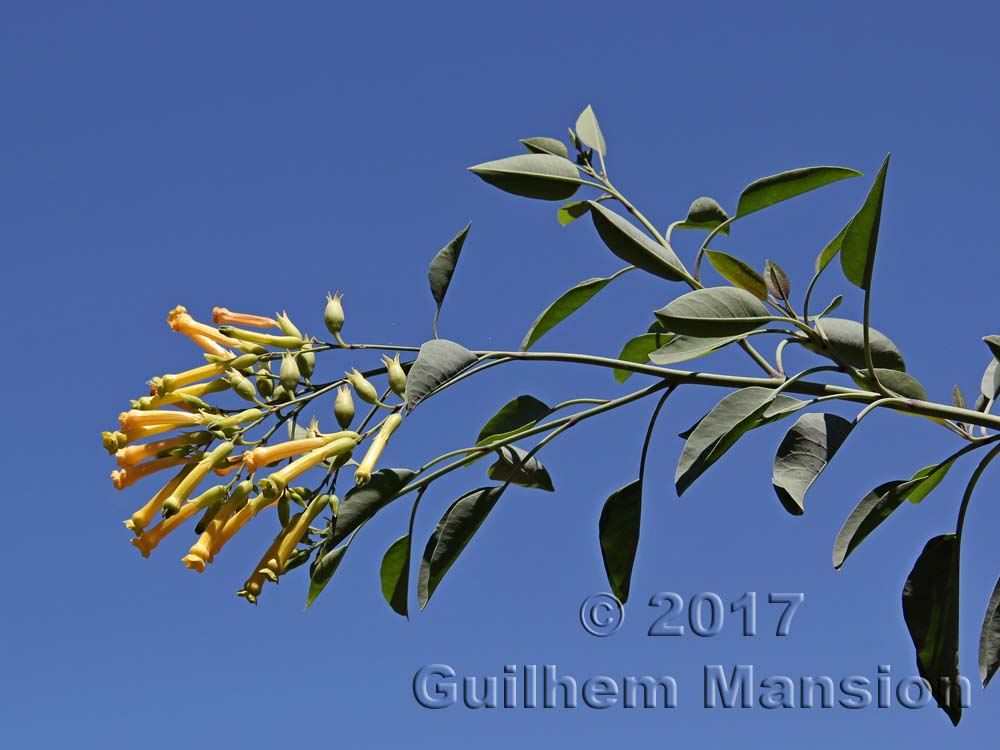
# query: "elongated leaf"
{"type": "Point", "coordinates": [993, 342]}
{"type": "Point", "coordinates": [738, 273]}
{"type": "Point", "coordinates": [572, 211]}
{"type": "Point", "coordinates": [543, 145]}
{"type": "Point", "coordinates": [438, 361]}
{"type": "Point", "coordinates": [958, 398]}
{"type": "Point", "coordinates": [900, 383]}
{"type": "Point", "coordinates": [930, 608]}
{"type": "Point", "coordinates": [361, 503]}
{"type": "Point", "coordinates": [322, 572]}
{"type": "Point", "coordinates": [705, 213]}
{"type": "Point", "coordinates": [714, 312]}
{"type": "Point", "coordinates": [541, 176]}
{"type": "Point", "coordinates": [777, 281]}
{"type": "Point", "coordinates": [989, 638]}
{"type": "Point", "coordinates": [804, 452]}
{"type": "Point", "coordinates": [924, 481]}
{"type": "Point", "coordinates": [834, 304]}
{"type": "Point", "coordinates": [684, 348]}
{"type": "Point", "coordinates": [454, 531]}
{"type": "Point", "coordinates": [847, 339]}
{"type": "Point", "coordinates": [638, 350]}
{"type": "Point", "coordinates": [873, 509]}
{"type": "Point", "coordinates": [442, 268]}
{"type": "Point", "coordinates": [990, 384]}
{"type": "Point", "coordinates": [857, 253]}
{"type": "Point", "coordinates": [619, 535]}
{"type": "Point", "coordinates": [395, 573]}
{"type": "Point", "coordinates": [567, 304]}
{"type": "Point", "coordinates": [511, 466]}
{"type": "Point", "coordinates": [634, 247]}
{"type": "Point", "coordinates": [588, 131]}
{"type": "Point", "coordinates": [832, 248]}
{"type": "Point", "coordinates": [516, 415]}
{"type": "Point", "coordinates": [780, 187]}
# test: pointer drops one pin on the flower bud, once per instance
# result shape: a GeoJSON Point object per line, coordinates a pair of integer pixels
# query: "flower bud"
{"type": "Point", "coordinates": [280, 395]}
{"type": "Point", "coordinates": [242, 386]}
{"type": "Point", "coordinates": [333, 316]}
{"type": "Point", "coordinates": [365, 390]}
{"type": "Point", "coordinates": [265, 386]}
{"type": "Point", "coordinates": [306, 360]}
{"type": "Point", "coordinates": [363, 473]}
{"type": "Point", "coordinates": [343, 407]}
{"type": "Point", "coordinates": [397, 378]}
{"type": "Point", "coordinates": [289, 374]}
{"type": "Point", "coordinates": [287, 326]}
{"type": "Point", "coordinates": [114, 441]}
{"type": "Point", "coordinates": [262, 339]}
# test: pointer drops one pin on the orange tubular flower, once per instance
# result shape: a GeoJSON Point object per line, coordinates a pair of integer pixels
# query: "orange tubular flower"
{"type": "Point", "coordinates": [147, 541]}
{"type": "Point", "coordinates": [273, 485]}
{"type": "Point", "coordinates": [210, 346]}
{"type": "Point", "coordinates": [136, 418]}
{"type": "Point", "coordinates": [179, 320]}
{"type": "Point", "coordinates": [141, 518]}
{"type": "Point", "coordinates": [202, 552]}
{"type": "Point", "coordinates": [291, 540]}
{"type": "Point", "coordinates": [127, 477]}
{"type": "Point", "coordinates": [251, 589]}
{"type": "Point", "coordinates": [265, 456]}
{"type": "Point", "coordinates": [222, 316]}
{"type": "Point", "coordinates": [134, 454]}
{"type": "Point", "coordinates": [175, 380]}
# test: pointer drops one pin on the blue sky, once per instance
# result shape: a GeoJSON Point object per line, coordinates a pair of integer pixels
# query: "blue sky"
{"type": "Point", "coordinates": [256, 156]}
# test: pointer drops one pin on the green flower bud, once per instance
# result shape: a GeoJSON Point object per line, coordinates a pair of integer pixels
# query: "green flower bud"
{"type": "Point", "coordinates": [243, 362]}
{"type": "Point", "coordinates": [241, 492]}
{"type": "Point", "coordinates": [343, 407]}
{"type": "Point", "coordinates": [287, 326]}
{"type": "Point", "coordinates": [254, 350]}
{"type": "Point", "coordinates": [333, 316]}
{"type": "Point", "coordinates": [265, 386]}
{"type": "Point", "coordinates": [289, 374]}
{"type": "Point", "coordinates": [284, 510]}
{"type": "Point", "coordinates": [365, 390]}
{"type": "Point", "coordinates": [306, 360]}
{"type": "Point", "coordinates": [242, 386]}
{"type": "Point", "coordinates": [262, 339]}
{"type": "Point", "coordinates": [397, 378]}
{"type": "Point", "coordinates": [280, 395]}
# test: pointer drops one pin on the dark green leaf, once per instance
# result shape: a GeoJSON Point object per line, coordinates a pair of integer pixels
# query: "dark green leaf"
{"type": "Point", "coordinates": [685, 348]}
{"type": "Point", "coordinates": [834, 304]}
{"type": "Point", "coordinates": [924, 481]}
{"type": "Point", "coordinates": [322, 572]}
{"type": "Point", "coordinates": [706, 214]}
{"type": "Point", "coordinates": [442, 268]}
{"type": "Point", "coordinates": [989, 638]}
{"type": "Point", "coordinates": [619, 534]}
{"type": "Point", "coordinates": [438, 361]}
{"type": "Point", "coordinates": [899, 383]}
{"type": "Point", "coordinates": [514, 416]}
{"type": "Point", "coordinates": [847, 339]}
{"type": "Point", "coordinates": [588, 131]}
{"type": "Point", "coordinates": [638, 350]}
{"type": "Point", "coordinates": [777, 281]}
{"type": "Point", "coordinates": [873, 509]}
{"type": "Point", "coordinates": [804, 452]}
{"type": "Point", "coordinates": [857, 253]}
{"type": "Point", "coordinates": [541, 176]}
{"type": "Point", "coordinates": [737, 273]}
{"type": "Point", "coordinates": [572, 211]}
{"type": "Point", "coordinates": [543, 145]}
{"type": "Point", "coordinates": [454, 531]}
{"type": "Point", "coordinates": [780, 187]}
{"type": "Point", "coordinates": [716, 311]}
{"type": "Point", "coordinates": [395, 574]}
{"type": "Point", "coordinates": [511, 466]}
{"type": "Point", "coordinates": [634, 247]}
{"type": "Point", "coordinates": [830, 251]}
{"type": "Point", "coordinates": [361, 503]}
{"type": "Point", "coordinates": [930, 608]}
{"type": "Point", "coordinates": [567, 304]}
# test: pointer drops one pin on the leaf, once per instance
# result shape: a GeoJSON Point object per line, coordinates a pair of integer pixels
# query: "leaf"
{"type": "Point", "coordinates": [395, 573]}
{"type": "Point", "coordinates": [873, 509]}
{"type": "Point", "coordinates": [685, 348]}
{"type": "Point", "coordinates": [442, 268]}
{"type": "Point", "coordinates": [454, 531]}
{"type": "Point", "coordinates": [930, 608]}
{"type": "Point", "coordinates": [638, 350]}
{"type": "Point", "coordinates": [830, 251]}
{"type": "Point", "coordinates": [588, 131]}
{"type": "Point", "coordinates": [546, 146]}
{"type": "Point", "coordinates": [834, 304]}
{"type": "Point", "coordinates": [705, 213]}
{"type": "Point", "coordinates": [989, 638]}
{"type": "Point", "coordinates": [715, 311]}
{"type": "Point", "coordinates": [958, 398]}
{"type": "Point", "coordinates": [738, 273]}
{"type": "Point", "coordinates": [438, 361]}
{"type": "Point", "coordinates": [511, 467]}
{"type": "Point", "coordinates": [804, 452]}
{"type": "Point", "coordinates": [777, 281]}
{"type": "Point", "coordinates": [634, 247]}
{"type": "Point", "coordinates": [361, 503]}
{"type": "Point", "coordinates": [572, 211]}
{"type": "Point", "coordinates": [541, 176]}
{"type": "Point", "coordinates": [924, 481]}
{"type": "Point", "coordinates": [847, 339]}
{"type": "Point", "coordinates": [857, 253]}
{"type": "Point", "coordinates": [990, 384]}
{"type": "Point", "coordinates": [899, 383]}
{"type": "Point", "coordinates": [323, 571]}
{"type": "Point", "coordinates": [567, 304]}
{"type": "Point", "coordinates": [993, 342]}
{"type": "Point", "coordinates": [780, 187]}
{"type": "Point", "coordinates": [516, 415]}
{"type": "Point", "coordinates": [619, 535]}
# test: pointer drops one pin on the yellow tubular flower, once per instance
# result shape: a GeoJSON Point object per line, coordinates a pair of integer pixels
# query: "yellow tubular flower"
{"type": "Point", "coordinates": [133, 454]}
{"type": "Point", "coordinates": [263, 339]}
{"type": "Point", "coordinates": [221, 316]}
{"type": "Point", "coordinates": [267, 455]}
{"type": "Point", "coordinates": [273, 485]}
{"type": "Point", "coordinates": [127, 477]}
{"type": "Point", "coordinates": [141, 518]}
{"type": "Point", "coordinates": [172, 381]}
{"type": "Point", "coordinates": [210, 346]}
{"type": "Point", "coordinates": [179, 320]}
{"type": "Point", "coordinates": [201, 470]}
{"type": "Point", "coordinates": [177, 396]}
{"type": "Point", "coordinates": [291, 539]}
{"type": "Point", "coordinates": [201, 553]}
{"type": "Point", "coordinates": [363, 473]}
{"type": "Point", "coordinates": [137, 418]}
{"type": "Point", "coordinates": [147, 541]}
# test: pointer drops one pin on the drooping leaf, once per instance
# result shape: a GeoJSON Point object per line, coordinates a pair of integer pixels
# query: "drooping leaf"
{"type": "Point", "coordinates": [438, 361]}
{"type": "Point", "coordinates": [930, 608]}
{"type": "Point", "coordinates": [542, 145]}
{"type": "Point", "coordinates": [453, 532]}
{"type": "Point", "coordinates": [993, 342]}
{"type": "Point", "coordinates": [705, 213]}
{"type": "Point", "coordinates": [685, 348]}
{"type": "Point", "coordinates": [511, 466]}
{"type": "Point", "coordinates": [847, 339]}
{"type": "Point", "coordinates": [638, 350]}
{"type": "Point", "coordinates": [516, 415]}
{"type": "Point", "coordinates": [921, 484]}
{"type": "Point", "coordinates": [804, 452]}
{"type": "Point", "coordinates": [873, 509]}
{"type": "Point", "coordinates": [857, 252]}
{"type": "Point", "coordinates": [714, 312]}
{"type": "Point", "coordinates": [588, 131]}
{"type": "Point", "coordinates": [619, 535]}
{"type": "Point", "coordinates": [395, 573]}
{"type": "Point", "coordinates": [361, 503]}
{"type": "Point", "coordinates": [322, 571]}
{"type": "Point", "coordinates": [572, 211]}
{"type": "Point", "coordinates": [738, 273]}
{"type": "Point", "coordinates": [541, 176]}
{"type": "Point", "coordinates": [989, 638]}
{"type": "Point", "coordinates": [780, 187]}
{"type": "Point", "coordinates": [567, 304]}
{"type": "Point", "coordinates": [900, 383]}
{"type": "Point", "coordinates": [634, 247]}
{"type": "Point", "coordinates": [442, 268]}
{"type": "Point", "coordinates": [777, 281]}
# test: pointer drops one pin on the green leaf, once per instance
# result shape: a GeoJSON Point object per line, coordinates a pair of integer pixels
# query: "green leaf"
{"type": "Point", "coordinates": [847, 339]}
{"type": "Point", "coordinates": [706, 214]}
{"type": "Point", "coordinates": [830, 251]}
{"type": "Point", "coordinates": [511, 466]}
{"type": "Point", "coordinates": [804, 452]}
{"type": "Point", "coordinates": [738, 273]}
{"type": "Point", "coordinates": [438, 361]}
{"type": "Point", "coordinates": [958, 398]}
{"type": "Point", "coordinates": [322, 572]}
{"type": "Point", "coordinates": [930, 608]}
{"type": "Point", "coordinates": [857, 253]}
{"type": "Point", "coordinates": [619, 535]}
{"type": "Point", "coordinates": [442, 268]}
{"type": "Point", "coordinates": [454, 531]}
{"type": "Point", "coordinates": [638, 350]}
{"type": "Point", "coordinates": [685, 348]}
{"type": "Point", "coordinates": [873, 509]}
{"type": "Point", "coordinates": [713, 312]}
{"type": "Point", "coordinates": [989, 638]}
{"type": "Point", "coordinates": [993, 342]}
{"type": "Point", "coordinates": [899, 383]}
{"type": "Point", "coordinates": [718, 431]}
{"type": "Point", "coordinates": [567, 304]}
{"type": "Point", "coordinates": [516, 415]}
{"type": "Point", "coordinates": [543, 145]}
{"type": "Point", "coordinates": [361, 503]}
{"type": "Point", "coordinates": [395, 573]}
{"type": "Point", "coordinates": [634, 247]}
{"type": "Point", "coordinates": [924, 481]}
{"type": "Point", "coordinates": [541, 176]}
{"type": "Point", "coordinates": [588, 131]}
{"type": "Point", "coordinates": [572, 211]}
{"type": "Point", "coordinates": [780, 187]}
{"type": "Point", "coordinates": [990, 384]}
{"type": "Point", "coordinates": [777, 281]}
{"type": "Point", "coordinates": [834, 304]}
